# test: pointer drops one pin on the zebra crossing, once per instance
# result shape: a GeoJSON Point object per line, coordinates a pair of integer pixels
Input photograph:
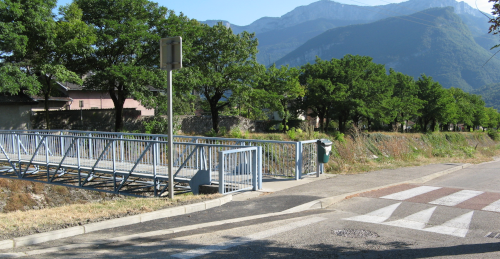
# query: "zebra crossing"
{"type": "Point", "coordinates": [437, 196]}
{"type": "Point", "coordinates": [442, 196]}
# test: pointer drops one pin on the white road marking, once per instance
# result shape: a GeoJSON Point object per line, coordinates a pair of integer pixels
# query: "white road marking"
{"type": "Point", "coordinates": [415, 221]}
{"type": "Point", "coordinates": [495, 206]}
{"type": "Point", "coordinates": [456, 198]}
{"type": "Point", "coordinates": [404, 195]}
{"type": "Point", "coordinates": [458, 226]}
{"type": "Point", "coordinates": [240, 241]}
{"type": "Point", "coordinates": [377, 216]}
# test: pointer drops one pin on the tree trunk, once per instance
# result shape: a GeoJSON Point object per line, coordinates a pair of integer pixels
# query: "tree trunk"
{"type": "Point", "coordinates": [327, 121]}
{"type": "Point", "coordinates": [342, 123]}
{"type": "Point", "coordinates": [215, 117]}
{"type": "Point", "coordinates": [284, 120]}
{"type": "Point", "coordinates": [119, 101]}
{"type": "Point", "coordinates": [46, 95]}
{"type": "Point", "coordinates": [321, 121]}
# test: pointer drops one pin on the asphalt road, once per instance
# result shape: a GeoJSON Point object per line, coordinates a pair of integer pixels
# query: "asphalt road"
{"type": "Point", "coordinates": [452, 216]}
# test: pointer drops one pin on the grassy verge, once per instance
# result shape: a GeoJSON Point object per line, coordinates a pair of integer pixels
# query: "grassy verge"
{"type": "Point", "coordinates": [21, 223]}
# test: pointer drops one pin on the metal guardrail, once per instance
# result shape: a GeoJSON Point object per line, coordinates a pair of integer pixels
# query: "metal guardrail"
{"type": "Point", "coordinates": [117, 160]}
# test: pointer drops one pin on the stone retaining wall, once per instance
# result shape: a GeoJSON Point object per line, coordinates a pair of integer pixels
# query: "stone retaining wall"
{"type": "Point", "coordinates": [104, 120]}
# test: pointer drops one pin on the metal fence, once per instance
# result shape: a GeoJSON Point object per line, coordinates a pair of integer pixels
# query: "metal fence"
{"type": "Point", "coordinates": [239, 170]}
{"type": "Point", "coordinates": [118, 158]}
{"type": "Point", "coordinates": [279, 158]}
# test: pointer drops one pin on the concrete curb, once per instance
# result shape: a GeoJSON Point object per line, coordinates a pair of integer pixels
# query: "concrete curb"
{"type": "Point", "coordinates": [119, 222]}
{"type": "Point", "coordinates": [325, 202]}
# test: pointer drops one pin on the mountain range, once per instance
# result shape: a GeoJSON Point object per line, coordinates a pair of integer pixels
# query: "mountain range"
{"type": "Point", "coordinates": [443, 47]}
{"type": "Point", "coordinates": [279, 36]}
{"type": "Point", "coordinates": [445, 39]}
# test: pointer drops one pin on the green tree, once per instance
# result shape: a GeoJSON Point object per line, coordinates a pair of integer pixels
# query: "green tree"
{"type": "Point", "coordinates": [321, 88]}
{"type": "Point", "coordinates": [219, 64]}
{"type": "Point", "coordinates": [281, 87]}
{"type": "Point", "coordinates": [439, 106]}
{"type": "Point", "coordinates": [361, 78]}
{"type": "Point", "coordinates": [125, 61]}
{"type": "Point", "coordinates": [470, 108]}
{"type": "Point", "coordinates": [404, 103]}
{"type": "Point", "coordinates": [41, 46]}
{"type": "Point", "coordinates": [479, 113]}
{"type": "Point", "coordinates": [492, 118]}
{"type": "Point", "coordinates": [13, 80]}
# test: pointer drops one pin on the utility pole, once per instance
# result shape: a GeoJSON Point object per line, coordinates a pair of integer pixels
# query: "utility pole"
{"type": "Point", "coordinates": [170, 59]}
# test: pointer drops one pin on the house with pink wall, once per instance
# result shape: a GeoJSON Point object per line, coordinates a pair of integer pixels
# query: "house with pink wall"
{"type": "Point", "coordinates": [80, 98]}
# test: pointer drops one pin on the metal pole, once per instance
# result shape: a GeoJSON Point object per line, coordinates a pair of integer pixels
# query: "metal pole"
{"type": "Point", "coordinates": [318, 164]}
{"type": "Point", "coordinates": [170, 135]}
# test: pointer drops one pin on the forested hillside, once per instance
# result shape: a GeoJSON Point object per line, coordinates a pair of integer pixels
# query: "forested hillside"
{"type": "Point", "coordinates": [443, 48]}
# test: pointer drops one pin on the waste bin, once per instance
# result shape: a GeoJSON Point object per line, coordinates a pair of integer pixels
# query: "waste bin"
{"type": "Point", "coordinates": [324, 149]}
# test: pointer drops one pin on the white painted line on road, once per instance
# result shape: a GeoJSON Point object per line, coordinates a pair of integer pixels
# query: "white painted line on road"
{"type": "Point", "coordinates": [456, 198]}
{"type": "Point", "coordinates": [377, 216]}
{"type": "Point", "coordinates": [495, 207]}
{"type": "Point", "coordinates": [404, 195]}
{"type": "Point", "coordinates": [243, 240]}
{"type": "Point", "coordinates": [417, 221]}
{"type": "Point", "coordinates": [458, 226]}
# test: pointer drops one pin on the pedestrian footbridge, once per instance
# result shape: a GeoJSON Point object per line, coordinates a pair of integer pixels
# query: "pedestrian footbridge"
{"type": "Point", "coordinates": [137, 164]}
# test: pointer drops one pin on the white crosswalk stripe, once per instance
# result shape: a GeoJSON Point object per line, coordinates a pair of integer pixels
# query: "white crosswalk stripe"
{"type": "Point", "coordinates": [456, 198]}
{"type": "Point", "coordinates": [404, 195]}
{"type": "Point", "coordinates": [495, 206]}
{"type": "Point", "coordinates": [377, 216]}
{"type": "Point", "coordinates": [458, 226]}
{"type": "Point", "coordinates": [415, 221]}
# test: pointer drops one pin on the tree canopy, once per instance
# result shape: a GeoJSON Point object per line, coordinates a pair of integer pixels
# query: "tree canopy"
{"type": "Point", "coordinates": [219, 64]}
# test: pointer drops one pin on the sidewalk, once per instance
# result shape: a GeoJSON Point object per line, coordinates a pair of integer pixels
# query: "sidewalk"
{"type": "Point", "coordinates": [278, 197]}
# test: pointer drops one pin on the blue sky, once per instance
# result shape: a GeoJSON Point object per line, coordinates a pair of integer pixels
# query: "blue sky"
{"type": "Point", "coordinates": [244, 12]}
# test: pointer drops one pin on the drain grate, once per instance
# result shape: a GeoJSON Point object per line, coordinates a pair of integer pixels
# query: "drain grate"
{"type": "Point", "coordinates": [355, 233]}
{"type": "Point", "coordinates": [493, 235]}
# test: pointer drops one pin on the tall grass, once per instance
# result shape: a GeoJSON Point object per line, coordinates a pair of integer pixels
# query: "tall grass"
{"type": "Point", "coordinates": [358, 151]}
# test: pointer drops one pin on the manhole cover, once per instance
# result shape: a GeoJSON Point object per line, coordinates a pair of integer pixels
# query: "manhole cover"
{"type": "Point", "coordinates": [355, 233]}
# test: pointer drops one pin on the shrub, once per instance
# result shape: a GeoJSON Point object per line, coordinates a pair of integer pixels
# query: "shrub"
{"type": "Point", "coordinates": [292, 134]}
{"type": "Point", "coordinates": [339, 136]}
{"type": "Point", "coordinates": [494, 135]}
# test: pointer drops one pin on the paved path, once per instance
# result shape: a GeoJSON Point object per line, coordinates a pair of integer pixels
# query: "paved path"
{"type": "Point", "coordinates": [247, 209]}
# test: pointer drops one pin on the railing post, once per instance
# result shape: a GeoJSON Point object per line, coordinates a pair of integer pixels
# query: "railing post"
{"type": "Point", "coordinates": [259, 166]}
{"type": "Point", "coordinates": [78, 161]}
{"type": "Point", "coordinates": [18, 152]}
{"type": "Point", "coordinates": [91, 151]}
{"type": "Point", "coordinates": [62, 143]}
{"type": "Point", "coordinates": [47, 157]}
{"type": "Point", "coordinates": [210, 162]}
{"type": "Point", "coordinates": [221, 173]}
{"type": "Point", "coordinates": [298, 154]}
{"type": "Point", "coordinates": [155, 161]}
{"type": "Point", "coordinates": [197, 157]}
{"type": "Point", "coordinates": [122, 151]}
{"type": "Point", "coordinates": [255, 169]}
{"type": "Point", "coordinates": [113, 150]}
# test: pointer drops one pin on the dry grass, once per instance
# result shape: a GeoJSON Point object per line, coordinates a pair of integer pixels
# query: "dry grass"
{"type": "Point", "coordinates": [20, 223]}
{"type": "Point", "coordinates": [376, 151]}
